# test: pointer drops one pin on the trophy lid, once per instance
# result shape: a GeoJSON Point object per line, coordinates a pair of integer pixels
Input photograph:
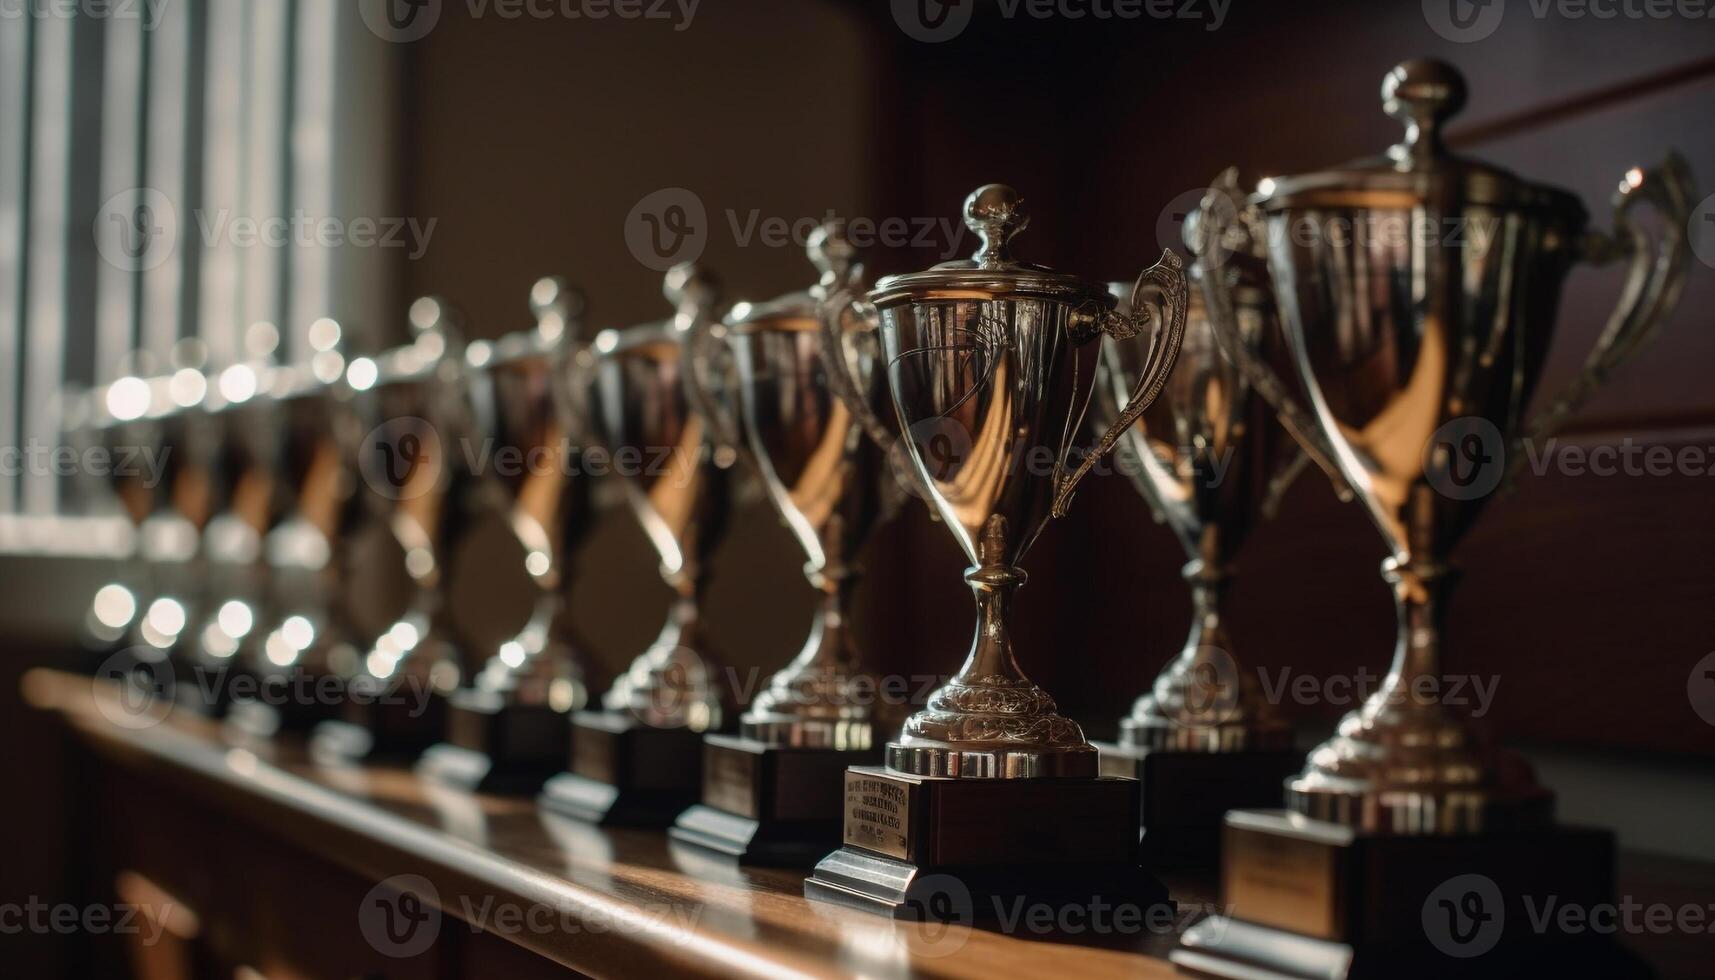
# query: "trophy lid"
{"type": "Point", "coordinates": [995, 212]}
{"type": "Point", "coordinates": [1423, 94]}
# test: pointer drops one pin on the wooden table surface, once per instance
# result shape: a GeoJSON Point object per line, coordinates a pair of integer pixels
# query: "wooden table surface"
{"type": "Point", "coordinates": [645, 905]}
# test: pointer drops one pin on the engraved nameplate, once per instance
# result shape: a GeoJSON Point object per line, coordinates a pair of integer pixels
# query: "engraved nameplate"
{"type": "Point", "coordinates": [729, 780]}
{"type": "Point", "coordinates": [1282, 881]}
{"type": "Point", "coordinates": [878, 814]}
{"type": "Point", "coordinates": [592, 753]}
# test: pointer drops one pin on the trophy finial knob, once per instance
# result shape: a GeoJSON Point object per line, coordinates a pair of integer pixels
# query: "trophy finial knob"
{"type": "Point", "coordinates": [1423, 93]}
{"type": "Point", "coordinates": [995, 212]}
{"type": "Point", "coordinates": [831, 252]}
{"type": "Point", "coordinates": [553, 294]}
{"type": "Point", "coordinates": [689, 285]}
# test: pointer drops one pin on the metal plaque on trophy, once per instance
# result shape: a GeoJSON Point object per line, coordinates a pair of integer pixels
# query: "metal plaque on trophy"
{"type": "Point", "coordinates": [508, 727]}
{"type": "Point", "coordinates": [772, 792]}
{"type": "Point", "coordinates": [989, 784]}
{"type": "Point", "coordinates": [638, 759]}
{"type": "Point", "coordinates": [1418, 293]}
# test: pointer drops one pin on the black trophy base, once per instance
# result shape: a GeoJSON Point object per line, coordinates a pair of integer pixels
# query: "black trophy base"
{"type": "Point", "coordinates": [1186, 795]}
{"type": "Point", "coordinates": [626, 774]}
{"type": "Point", "coordinates": [383, 729]}
{"type": "Point", "coordinates": [985, 850]}
{"type": "Point", "coordinates": [496, 747]}
{"type": "Point", "coordinates": [768, 804]}
{"type": "Point", "coordinates": [1313, 899]}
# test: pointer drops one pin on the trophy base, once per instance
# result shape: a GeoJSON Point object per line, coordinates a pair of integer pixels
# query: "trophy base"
{"type": "Point", "coordinates": [379, 730]}
{"type": "Point", "coordinates": [625, 773]}
{"type": "Point", "coordinates": [962, 850]}
{"type": "Point", "coordinates": [768, 804]}
{"type": "Point", "coordinates": [1187, 794]}
{"type": "Point", "coordinates": [1323, 900]}
{"type": "Point", "coordinates": [260, 720]}
{"type": "Point", "coordinates": [496, 747]}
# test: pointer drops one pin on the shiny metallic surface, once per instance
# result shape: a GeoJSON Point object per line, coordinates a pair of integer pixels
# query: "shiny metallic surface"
{"type": "Point", "coordinates": [546, 499]}
{"type": "Point", "coordinates": [1208, 456]}
{"type": "Point", "coordinates": [631, 387]}
{"type": "Point", "coordinates": [418, 390]}
{"type": "Point", "coordinates": [824, 479]}
{"type": "Point", "coordinates": [1399, 329]}
{"type": "Point", "coordinates": [996, 360]}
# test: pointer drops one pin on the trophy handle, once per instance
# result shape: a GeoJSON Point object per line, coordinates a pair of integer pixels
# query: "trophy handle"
{"type": "Point", "coordinates": [841, 302]}
{"type": "Point", "coordinates": [1223, 226]}
{"type": "Point", "coordinates": [708, 384]}
{"type": "Point", "coordinates": [1160, 297]}
{"type": "Point", "coordinates": [1653, 285]}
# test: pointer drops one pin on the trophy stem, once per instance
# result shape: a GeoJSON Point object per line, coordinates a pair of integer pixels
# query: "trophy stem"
{"type": "Point", "coordinates": [1420, 594]}
{"type": "Point", "coordinates": [989, 721]}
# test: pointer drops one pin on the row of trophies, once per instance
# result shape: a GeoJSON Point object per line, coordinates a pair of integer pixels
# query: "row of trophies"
{"type": "Point", "coordinates": [1344, 349]}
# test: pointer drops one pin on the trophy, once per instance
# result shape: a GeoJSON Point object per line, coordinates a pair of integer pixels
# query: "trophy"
{"type": "Point", "coordinates": [989, 784]}
{"type": "Point", "coordinates": [638, 760]}
{"type": "Point", "coordinates": [157, 438]}
{"type": "Point", "coordinates": [772, 793]}
{"type": "Point", "coordinates": [295, 506]}
{"type": "Point", "coordinates": [507, 729]}
{"type": "Point", "coordinates": [1211, 461]}
{"type": "Point", "coordinates": [415, 463]}
{"type": "Point", "coordinates": [1418, 293]}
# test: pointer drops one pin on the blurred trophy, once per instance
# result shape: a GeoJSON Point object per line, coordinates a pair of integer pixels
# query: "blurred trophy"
{"type": "Point", "coordinates": [507, 729]}
{"type": "Point", "coordinates": [416, 468]}
{"type": "Point", "coordinates": [1212, 462]}
{"type": "Point", "coordinates": [638, 760]}
{"type": "Point", "coordinates": [1418, 291]}
{"type": "Point", "coordinates": [158, 440]}
{"type": "Point", "coordinates": [772, 793]}
{"type": "Point", "coordinates": [989, 783]}
{"type": "Point", "coordinates": [292, 447]}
